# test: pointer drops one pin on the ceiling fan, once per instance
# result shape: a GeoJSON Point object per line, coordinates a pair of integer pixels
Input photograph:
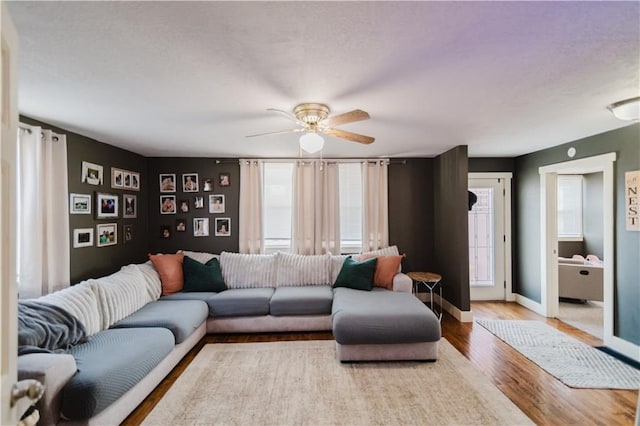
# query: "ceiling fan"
{"type": "Point", "coordinates": [314, 118]}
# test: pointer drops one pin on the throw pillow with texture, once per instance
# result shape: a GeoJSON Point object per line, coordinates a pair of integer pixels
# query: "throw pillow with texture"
{"type": "Point", "coordinates": [202, 276]}
{"type": "Point", "coordinates": [169, 267]}
{"type": "Point", "coordinates": [357, 275]}
{"type": "Point", "coordinates": [386, 269]}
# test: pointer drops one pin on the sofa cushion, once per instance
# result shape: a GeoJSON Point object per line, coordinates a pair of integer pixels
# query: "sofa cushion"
{"type": "Point", "coordinates": [386, 268]}
{"type": "Point", "coordinates": [80, 301]}
{"type": "Point", "coordinates": [202, 277]}
{"type": "Point", "coordinates": [381, 317]}
{"type": "Point", "coordinates": [169, 268]}
{"type": "Point", "coordinates": [237, 302]}
{"type": "Point", "coordinates": [309, 300]}
{"type": "Point", "coordinates": [357, 275]}
{"type": "Point", "coordinates": [181, 317]}
{"type": "Point", "coordinates": [303, 270]}
{"type": "Point", "coordinates": [109, 364]}
{"type": "Point", "coordinates": [194, 295]}
{"type": "Point", "coordinates": [249, 270]}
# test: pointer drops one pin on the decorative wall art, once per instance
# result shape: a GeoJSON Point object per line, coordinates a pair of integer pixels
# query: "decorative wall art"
{"type": "Point", "coordinates": [79, 203]}
{"type": "Point", "coordinates": [184, 206]}
{"type": "Point", "coordinates": [216, 203]}
{"type": "Point", "coordinates": [632, 199]}
{"type": "Point", "coordinates": [198, 202]}
{"type": "Point", "coordinates": [107, 234]}
{"type": "Point", "coordinates": [125, 179]}
{"type": "Point", "coordinates": [181, 225]}
{"type": "Point", "coordinates": [127, 233]}
{"type": "Point", "coordinates": [165, 232]}
{"type": "Point", "coordinates": [208, 185]}
{"type": "Point", "coordinates": [223, 227]}
{"type": "Point", "coordinates": [201, 227]}
{"type": "Point", "coordinates": [167, 182]}
{"type": "Point", "coordinates": [224, 179]}
{"type": "Point", "coordinates": [91, 173]}
{"type": "Point", "coordinates": [130, 206]}
{"type": "Point", "coordinates": [82, 237]}
{"type": "Point", "coordinates": [168, 204]}
{"type": "Point", "coordinates": [190, 182]}
{"type": "Point", "coordinates": [106, 206]}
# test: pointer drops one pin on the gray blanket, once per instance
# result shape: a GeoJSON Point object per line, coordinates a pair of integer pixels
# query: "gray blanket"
{"type": "Point", "coordinates": [47, 328]}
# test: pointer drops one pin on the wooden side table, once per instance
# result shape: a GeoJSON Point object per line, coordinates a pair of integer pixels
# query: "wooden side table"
{"type": "Point", "coordinates": [431, 281]}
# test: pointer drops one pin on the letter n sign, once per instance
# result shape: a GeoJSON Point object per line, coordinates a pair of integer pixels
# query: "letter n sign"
{"type": "Point", "coordinates": [632, 199]}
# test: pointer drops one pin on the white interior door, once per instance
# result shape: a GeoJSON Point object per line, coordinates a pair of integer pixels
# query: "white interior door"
{"type": "Point", "coordinates": [487, 238]}
{"type": "Point", "coordinates": [8, 140]}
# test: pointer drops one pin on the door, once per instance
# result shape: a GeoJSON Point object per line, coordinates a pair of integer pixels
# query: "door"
{"type": "Point", "coordinates": [487, 238]}
{"type": "Point", "coordinates": [8, 290]}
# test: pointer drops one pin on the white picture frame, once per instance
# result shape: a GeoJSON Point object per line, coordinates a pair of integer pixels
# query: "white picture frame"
{"type": "Point", "coordinates": [106, 234]}
{"type": "Point", "coordinates": [82, 237]}
{"type": "Point", "coordinates": [190, 182]}
{"type": "Point", "coordinates": [117, 178]}
{"type": "Point", "coordinates": [92, 173]}
{"type": "Point", "coordinates": [79, 203]}
{"type": "Point", "coordinates": [216, 203]}
{"type": "Point", "coordinates": [223, 227]}
{"type": "Point", "coordinates": [167, 182]}
{"type": "Point", "coordinates": [167, 204]}
{"type": "Point", "coordinates": [201, 227]}
{"type": "Point", "coordinates": [106, 206]}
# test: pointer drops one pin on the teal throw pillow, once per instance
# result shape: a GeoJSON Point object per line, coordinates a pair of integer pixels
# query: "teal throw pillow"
{"type": "Point", "coordinates": [357, 275]}
{"type": "Point", "coordinates": [202, 277]}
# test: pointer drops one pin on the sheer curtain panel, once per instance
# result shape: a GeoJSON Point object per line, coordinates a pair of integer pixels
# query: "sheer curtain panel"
{"type": "Point", "coordinates": [43, 212]}
{"type": "Point", "coordinates": [250, 227]}
{"type": "Point", "coordinates": [375, 221]}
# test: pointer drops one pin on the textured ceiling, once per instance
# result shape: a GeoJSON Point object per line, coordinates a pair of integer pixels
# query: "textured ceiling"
{"type": "Point", "coordinates": [193, 78]}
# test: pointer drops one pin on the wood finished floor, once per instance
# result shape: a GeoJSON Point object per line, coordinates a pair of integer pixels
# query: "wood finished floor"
{"type": "Point", "coordinates": [543, 398]}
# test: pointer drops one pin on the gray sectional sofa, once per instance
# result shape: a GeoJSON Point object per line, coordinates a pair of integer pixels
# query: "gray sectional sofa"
{"type": "Point", "coordinates": [137, 335]}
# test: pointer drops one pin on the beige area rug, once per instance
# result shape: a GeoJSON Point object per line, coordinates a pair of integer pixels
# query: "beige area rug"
{"type": "Point", "coordinates": [584, 316]}
{"type": "Point", "coordinates": [302, 383]}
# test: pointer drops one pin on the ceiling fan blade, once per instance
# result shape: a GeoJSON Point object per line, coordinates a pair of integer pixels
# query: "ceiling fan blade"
{"type": "Point", "coordinates": [276, 133]}
{"type": "Point", "coordinates": [347, 117]}
{"type": "Point", "coordinates": [350, 136]}
{"type": "Point", "coordinates": [289, 116]}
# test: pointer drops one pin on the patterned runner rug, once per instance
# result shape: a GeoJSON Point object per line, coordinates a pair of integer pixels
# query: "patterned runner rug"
{"type": "Point", "coordinates": [572, 362]}
{"type": "Point", "coordinates": [302, 383]}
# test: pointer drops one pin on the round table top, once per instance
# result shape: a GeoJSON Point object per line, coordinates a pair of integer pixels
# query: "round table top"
{"type": "Point", "coordinates": [424, 276]}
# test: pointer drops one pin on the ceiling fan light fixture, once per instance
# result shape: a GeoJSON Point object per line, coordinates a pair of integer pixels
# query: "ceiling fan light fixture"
{"type": "Point", "coordinates": [311, 142]}
{"type": "Point", "coordinates": [627, 110]}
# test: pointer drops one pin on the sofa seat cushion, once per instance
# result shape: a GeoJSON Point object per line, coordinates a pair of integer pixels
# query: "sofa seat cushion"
{"type": "Point", "coordinates": [181, 317]}
{"type": "Point", "coordinates": [381, 317]}
{"type": "Point", "coordinates": [308, 300]}
{"type": "Point", "coordinates": [195, 295]}
{"type": "Point", "coordinates": [237, 302]}
{"type": "Point", "coordinates": [109, 364]}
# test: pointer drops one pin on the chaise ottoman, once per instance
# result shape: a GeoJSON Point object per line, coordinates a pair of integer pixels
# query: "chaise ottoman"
{"type": "Point", "coordinates": [382, 325]}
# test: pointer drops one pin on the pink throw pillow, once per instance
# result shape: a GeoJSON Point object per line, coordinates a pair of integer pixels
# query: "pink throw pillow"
{"type": "Point", "coordinates": [169, 267]}
{"type": "Point", "coordinates": [386, 268]}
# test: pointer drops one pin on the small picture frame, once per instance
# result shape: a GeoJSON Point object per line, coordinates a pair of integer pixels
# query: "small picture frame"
{"type": "Point", "coordinates": [208, 185]}
{"type": "Point", "coordinates": [127, 179]}
{"type": "Point", "coordinates": [216, 203]}
{"type": "Point", "coordinates": [184, 206]}
{"type": "Point", "coordinates": [223, 227]}
{"type": "Point", "coordinates": [224, 179]}
{"type": "Point", "coordinates": [82, 237]}
{"type": "Point", "coordinates": [117, 178]}
{"type": "Point", "coordinates": [106, 206]}
{"type": "Point", "coordinates": [167, 182]}
{"type": "Point", "coordinates": [129, 206]}
{"type": "Point", "coordinates": [127, 234]}
{"type": "Point", "coordinates": [135, 181]}
{"type": "Point", "coordinates": [181, 225]}
{"type": "Point", "coordinates": [167, 204]}
{"type": "Point", "coordinates": [201, 227]}
{"type": "Point", "coordinates": [198, 202]}
{"type": "Point", "coordinates": [92, 173]}
{"type": "Point", "coordinates": [165, 232]}
{"type": "Point", "coordinates": [80, 203]}
{"type": "Point", "coordinates": [190, 182]}
{"type": "Point", "coordinates": [107, 234]}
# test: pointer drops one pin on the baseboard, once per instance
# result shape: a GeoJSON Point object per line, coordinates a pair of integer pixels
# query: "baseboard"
{"type": "Point", "coordinates": [530, 304]}
{"type": "Point", "coordinates": [462, 316]}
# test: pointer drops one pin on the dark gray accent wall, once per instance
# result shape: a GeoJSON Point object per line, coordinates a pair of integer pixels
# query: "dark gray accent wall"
{"type": "Point", "coordinates": [625, 142]}
{"type": "Point", "coordinates": [94, 262]}
{"type": "Point", "coordinates": [411, 212]}
{"type": "Point", "coordinates": [488, 165]}
{"type": "Point", "coordinates": [451, 225]}
{"type": "Point", "coordinates": [205, 168]}
{"type": "Point", "coordinates": [592, 215]}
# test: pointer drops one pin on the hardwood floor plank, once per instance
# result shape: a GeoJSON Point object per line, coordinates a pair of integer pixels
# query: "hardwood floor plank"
{"type": "Point", "coordinates": [546, 400]}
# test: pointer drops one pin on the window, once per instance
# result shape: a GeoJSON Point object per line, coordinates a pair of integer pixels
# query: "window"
{"type": "Point", "coordinates": [350, 182]}
{"type": "Point", "coordinates": [277, 199]}
{"type": "Point", "coordinates": [570, 207]}
{"type": "Point", "coordinates": [481, 239]}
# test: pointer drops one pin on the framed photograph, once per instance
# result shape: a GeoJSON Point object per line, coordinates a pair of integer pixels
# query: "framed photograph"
{"type": "Point", "coordinates": [82, 237]}
{"type": "Point", "coordinates": [216, 203]}
{"type": "Point", "coordinates": [91, 173]}
{"type": "Point", "coordinates": [167, 204]}
{"type": "Point", "coordinates": [130, 203]}
{"type": "Point", "coordinates": [167, 182]}
{"type": "Point", "coordinates": [208, 185]}
{"type": "Point", "coordinates": [107, 234]}
{"type": "Point", "coordinates": [117, 178]}
{"type": "Point", "coordinates": [165, 232]}
{"type": "Point", "coordinates": [184, 206]}
{"type": "Point", "coordinates": [181, 225]}
{"type": "Point", "coordinates": [106, 206]}
{"type": "Point", "coordinates": [135, 181]}
{"type": "Point", "coordinates": [201, 227]}
{"type": "Point", "coordinates": [127, 233]}
{"type": "Point", "coordinates": [224, 179]}
{"type": "Point", "coordinates": [198, 202]}
{"type": "Point", "coordinates": [127, 180]}
{"type": "Point", "coordinates": [223, 226]}
{"type": "Point", "coordinates": [190, 182]}
{"type": "Point", "coordinates": [79, 203]}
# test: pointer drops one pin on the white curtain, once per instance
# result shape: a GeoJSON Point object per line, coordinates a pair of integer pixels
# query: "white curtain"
{"type": "Point", "coordinates": [316, 208]}
{"type": "Point", "coordinates": [250, 226]}
{"type": "Point", "coordinates": [43, 212]}
{"type": "Point", "coordinates": [375, 209]}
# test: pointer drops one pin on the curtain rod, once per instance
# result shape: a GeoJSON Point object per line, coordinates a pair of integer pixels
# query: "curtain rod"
{"type": "Point", "coordinates": [328, 161]}
{"type": "Point", "coordinates": [24, 127]}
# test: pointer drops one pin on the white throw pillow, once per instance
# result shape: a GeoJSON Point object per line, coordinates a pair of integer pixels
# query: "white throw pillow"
{"type": "Point", "coordinates": [336, 266]}
{"type": "Point", "coordinates": [200, 256]}
{"type": "Point", "coordinates": [152, 281]}
{"type": "Point", "coordinates": [81, 302]}
{"type": "Point", "coordinates": [120, 294]}
{"type": "Point", "coordinates": [386, 251]}
{"type": "Point", "coordinates": [300, 270]}
{"type": "Point", "coordinates": [248, 270]}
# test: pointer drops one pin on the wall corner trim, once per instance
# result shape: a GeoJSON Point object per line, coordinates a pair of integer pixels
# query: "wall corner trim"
{"type": "Point", "coordinates": [530, 304]}
{"type": "Point", "coordinates": [462, 316]}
